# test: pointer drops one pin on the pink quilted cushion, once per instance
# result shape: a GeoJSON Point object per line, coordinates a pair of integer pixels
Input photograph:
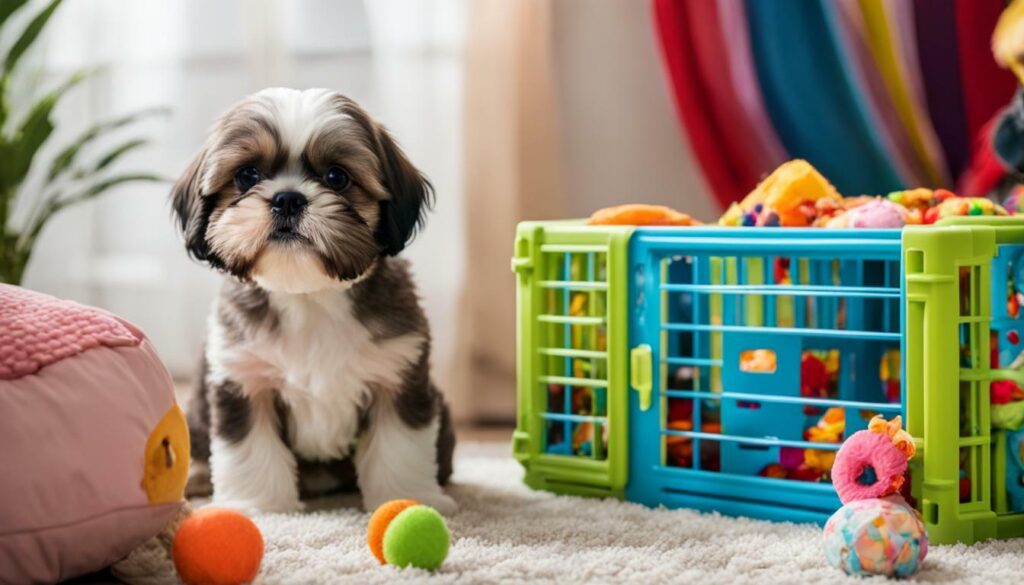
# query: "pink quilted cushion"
{"type": "Point", "coordinates": [81, 394]}
{"type": "Point", "coordinates": [37, 330]}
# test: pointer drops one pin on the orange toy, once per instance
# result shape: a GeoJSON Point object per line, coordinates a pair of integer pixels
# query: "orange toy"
{"type": "Point", "coordinates": [379, 523]}
{"type": "Point", "coordinates": [680, 449]}
{"type": "Point", "coordinates": [829, 429]}
{"type": "Point", "coordinates": [758, 360]}
{"type": "Point", "coordinates": [217, 546]}
{"type": "Point", "coordinates": [641, 214]}
{"type": "Point", "coordinates": [894, 430]}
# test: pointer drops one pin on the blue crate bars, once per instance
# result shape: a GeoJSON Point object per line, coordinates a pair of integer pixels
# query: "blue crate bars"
{"type": "Point", "coordinates": [737, 321]}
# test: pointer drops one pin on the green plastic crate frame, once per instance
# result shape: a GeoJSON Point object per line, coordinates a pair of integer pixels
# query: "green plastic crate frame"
{"type": "Point", "coordinates": [939, 388]}
{"type": "Point", "coordinates": [541, 249]}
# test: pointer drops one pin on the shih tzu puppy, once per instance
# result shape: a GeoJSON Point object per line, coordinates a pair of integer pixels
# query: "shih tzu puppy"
{"type": "Point", "coordinates": [316, 371]}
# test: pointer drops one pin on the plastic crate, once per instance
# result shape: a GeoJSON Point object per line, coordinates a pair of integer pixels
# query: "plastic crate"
{"type": "Point", "coordinates": [645, 335]}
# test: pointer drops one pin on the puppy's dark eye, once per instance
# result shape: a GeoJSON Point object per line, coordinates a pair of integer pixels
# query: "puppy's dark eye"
{"type": "Point", "coordinates": [337, 178]}
{"type": "Point", "coordinates": [247, 177]}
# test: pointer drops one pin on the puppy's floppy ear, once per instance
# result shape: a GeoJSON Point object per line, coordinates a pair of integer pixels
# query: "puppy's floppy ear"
{"type": "Point", "coordinates": [191, 209]}
{"type": "Point", "coordinates": [412, 196]}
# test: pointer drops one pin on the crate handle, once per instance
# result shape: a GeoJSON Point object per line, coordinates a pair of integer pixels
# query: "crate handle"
{"type": "Point", "coordinates": [521, 264]}
{"type": "Point", "coordinates": [640, 374]}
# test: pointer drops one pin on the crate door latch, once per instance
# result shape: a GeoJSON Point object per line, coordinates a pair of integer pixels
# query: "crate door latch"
{"type": "Point", "coordinates": [640, 374]}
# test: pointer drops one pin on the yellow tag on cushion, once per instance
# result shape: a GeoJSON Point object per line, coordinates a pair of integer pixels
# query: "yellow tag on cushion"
{"type": "Point", "coordinates": [167, 459]}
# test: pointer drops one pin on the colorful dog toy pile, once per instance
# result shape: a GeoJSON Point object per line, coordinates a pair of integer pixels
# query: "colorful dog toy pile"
{"type": "Point", "coordinates": [876, 532]}
{"type": "Point", "coordinates": [797, 195]}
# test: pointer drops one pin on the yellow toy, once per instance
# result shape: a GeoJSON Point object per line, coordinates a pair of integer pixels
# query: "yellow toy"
{"type": "Point", "coordinates": [829, 429]}
{"type": "Point", "coordinates": [786, 198]}
{"type": "Point", "coordinates": [1008, 39]}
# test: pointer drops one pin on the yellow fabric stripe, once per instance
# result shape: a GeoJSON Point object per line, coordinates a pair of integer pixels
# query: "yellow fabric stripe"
{"type": "Point", "coordinates": [885, 53]}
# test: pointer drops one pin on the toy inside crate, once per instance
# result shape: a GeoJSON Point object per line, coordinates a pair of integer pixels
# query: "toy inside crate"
{"type": "Point", "coordinates": [768, 348]}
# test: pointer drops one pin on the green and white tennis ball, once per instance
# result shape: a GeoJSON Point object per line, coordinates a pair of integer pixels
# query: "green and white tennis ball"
{"type": "Point", "coordinates": [417, 537]}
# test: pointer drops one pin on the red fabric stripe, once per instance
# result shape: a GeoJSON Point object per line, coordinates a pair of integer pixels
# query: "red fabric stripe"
{"type": "Point", "coordinates": [986, 87]}
{"type": "Point", "coordinates": [730, 121]}
{"type": "Point", "coordinates": [986, 170]}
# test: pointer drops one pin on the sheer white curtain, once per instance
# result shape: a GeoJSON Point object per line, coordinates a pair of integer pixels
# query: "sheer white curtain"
{"type": "Point", "coordinates": [401, 58]}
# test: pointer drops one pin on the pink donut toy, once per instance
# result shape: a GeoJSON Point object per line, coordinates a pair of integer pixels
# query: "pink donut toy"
{"type": "Point", "coordinates": [868, 465]}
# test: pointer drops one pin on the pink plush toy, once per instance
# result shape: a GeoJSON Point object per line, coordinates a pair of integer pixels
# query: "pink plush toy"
{"type": "Point", "coordinates": [875, 532]}
{"type": "Point", "coordinates": [870, 464]}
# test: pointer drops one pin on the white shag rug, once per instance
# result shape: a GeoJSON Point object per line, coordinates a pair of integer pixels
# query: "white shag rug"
{"type": "Point", "coordinates": [507, 533]}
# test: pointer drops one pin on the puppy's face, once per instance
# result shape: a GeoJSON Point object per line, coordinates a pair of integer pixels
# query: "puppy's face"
{"type": "Point", "coordinates": [299, 191]}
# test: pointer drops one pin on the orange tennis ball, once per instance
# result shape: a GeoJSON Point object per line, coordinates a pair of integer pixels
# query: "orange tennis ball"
{"type": "Point", "coordinates": [217, 546]}
{"type": "Point", "coordinates": [379, 523]}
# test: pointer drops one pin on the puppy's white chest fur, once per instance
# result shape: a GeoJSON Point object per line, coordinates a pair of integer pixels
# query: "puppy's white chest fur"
{"type": "Point", "coordinates": [325, 365]}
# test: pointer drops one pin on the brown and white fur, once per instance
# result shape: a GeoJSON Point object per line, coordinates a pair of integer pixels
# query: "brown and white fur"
{"type": "Point", "coordinates": [316, 371]}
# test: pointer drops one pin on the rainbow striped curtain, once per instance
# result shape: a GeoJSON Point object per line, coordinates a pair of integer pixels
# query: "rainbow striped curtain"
{"type": "Point", "coordinates": [879, 95]}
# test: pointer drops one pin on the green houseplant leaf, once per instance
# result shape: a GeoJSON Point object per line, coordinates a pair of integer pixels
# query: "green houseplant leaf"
{"type": "Point", "coordinates": [58, 201]}
{"type": "Point", "coordinates": [19, 150]}
{"type": "Point", "coordinates": [66, 157]}
{"type": "Point", "coordinates": [107, 159]}
{"type": "Point", "coordinates": [28, 36]}
{"type": "Point", "coordinates": [20, 145]}
{"type": "Point", "coordinates": [20, 46]}
{"type": "Point", "coordinates": [9, 7]}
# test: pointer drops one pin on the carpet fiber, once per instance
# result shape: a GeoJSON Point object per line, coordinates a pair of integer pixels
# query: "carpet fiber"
{"type": "Point", "coordinates": [506, 533]}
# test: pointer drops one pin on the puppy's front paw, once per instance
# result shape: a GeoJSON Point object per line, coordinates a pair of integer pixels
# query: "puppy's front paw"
{"type": "Point", "coordinates": [441, 502]}
{"type": "Point", "coordinates": [199, 484]}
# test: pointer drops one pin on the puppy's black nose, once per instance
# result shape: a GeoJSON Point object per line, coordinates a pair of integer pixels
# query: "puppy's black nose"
{"type": "Point", "coordinates": [288, 203]}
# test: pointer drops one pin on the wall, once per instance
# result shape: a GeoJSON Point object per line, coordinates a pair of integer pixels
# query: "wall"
{"type": "Point", "coordinates": [579, 82]}
{"type": "Point", "coordinates": [622, 139]}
